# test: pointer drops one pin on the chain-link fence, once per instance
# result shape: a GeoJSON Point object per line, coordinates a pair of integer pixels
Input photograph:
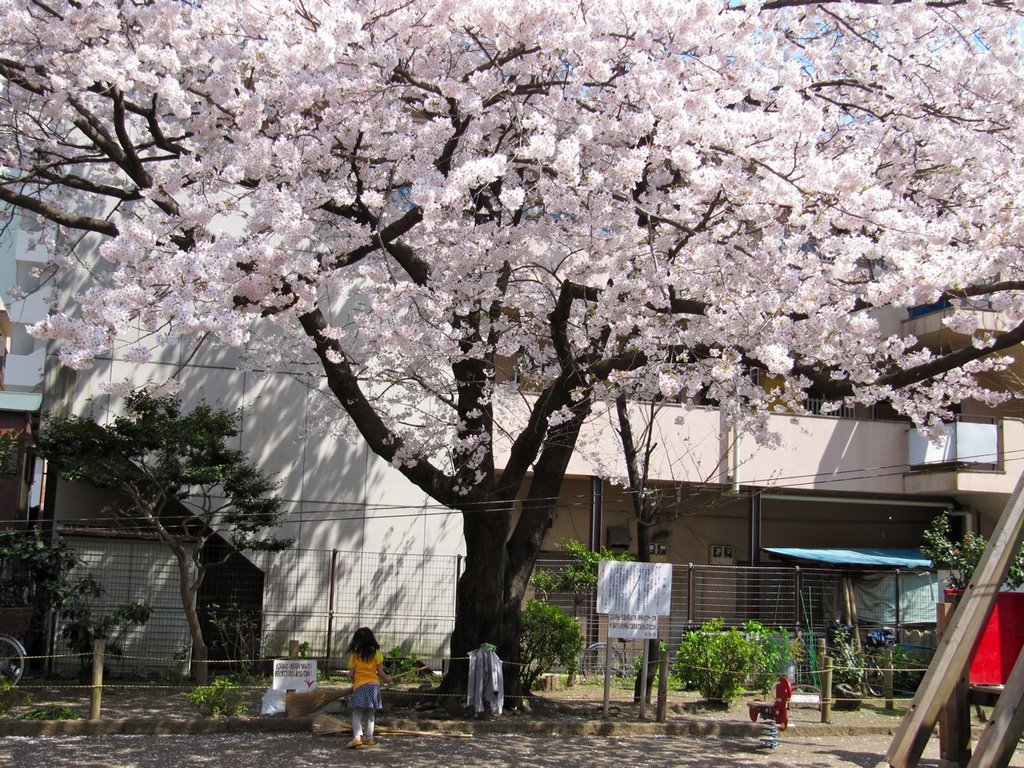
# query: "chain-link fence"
{"type": "Point", "coordinates": [252, 608]}
{"type": "Point", "coordinates": [801, 602]}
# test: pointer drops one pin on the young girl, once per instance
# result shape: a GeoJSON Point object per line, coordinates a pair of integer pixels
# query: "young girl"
{"type": "Point", "coordinates": [366, 665]}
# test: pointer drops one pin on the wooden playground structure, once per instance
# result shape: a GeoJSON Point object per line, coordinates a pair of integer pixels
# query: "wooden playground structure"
{"type": "Point", "coordinates": [944, 695]}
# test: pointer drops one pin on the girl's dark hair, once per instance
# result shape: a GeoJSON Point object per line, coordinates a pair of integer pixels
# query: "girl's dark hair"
{"type": "Point", "coordinates": [364, 644]}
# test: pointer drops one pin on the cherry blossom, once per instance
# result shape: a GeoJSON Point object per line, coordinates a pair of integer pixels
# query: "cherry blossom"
{"type": "Point", "coordinates": [634, 196]}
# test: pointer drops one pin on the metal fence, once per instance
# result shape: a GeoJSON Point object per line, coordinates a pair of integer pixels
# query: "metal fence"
{"type": "Point", "coordinates": [252, 608]}
{"type": "Point", "coordinates": [802, 601]}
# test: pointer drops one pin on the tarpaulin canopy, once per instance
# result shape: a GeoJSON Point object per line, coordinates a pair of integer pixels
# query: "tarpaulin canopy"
{"type": "Point", "coordinates": [874, 558]}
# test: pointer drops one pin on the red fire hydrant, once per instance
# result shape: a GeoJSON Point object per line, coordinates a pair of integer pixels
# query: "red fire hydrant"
{"type": "Point", "coordinates": [777, 710]}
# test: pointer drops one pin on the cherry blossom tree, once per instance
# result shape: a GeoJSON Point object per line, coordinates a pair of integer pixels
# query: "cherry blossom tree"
{"type": "Point", "coordinates": [632, 197]}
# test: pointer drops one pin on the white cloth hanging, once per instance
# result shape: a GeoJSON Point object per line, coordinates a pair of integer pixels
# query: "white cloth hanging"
{"type": "Point", "coordinates": [486, 688]}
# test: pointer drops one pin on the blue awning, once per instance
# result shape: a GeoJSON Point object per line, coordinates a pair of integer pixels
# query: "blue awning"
{"type": "Point", "coordinates": [875, 558]}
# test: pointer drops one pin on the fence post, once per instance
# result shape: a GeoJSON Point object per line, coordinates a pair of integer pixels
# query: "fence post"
{"type": "Point", "coordinates": [662, 711]}
{"type": "Point", "coordinates": [798, 583]}
{"type": "Point", "coordinates": [330, 610]}
{"type": "Point", "coordinates": [887, 675]}
{"type": "Point", "coordinates": [826, 689]}
{"type": "Point", "coordinates": [825, 666]}
{"type": "Point", "coordinates": [899, 617]}
{"type": "Point", "coordinates": [96, 694]}
{"type": "Point", "coordinates": [690, 579]}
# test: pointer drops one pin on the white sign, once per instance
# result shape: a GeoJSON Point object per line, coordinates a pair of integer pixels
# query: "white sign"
{"type": "Point", "coordinates": [294, 675]}
{"type": "Point", "coordinates": [629, 589]}
{"type": "Point", "coordinates": [630, 626]}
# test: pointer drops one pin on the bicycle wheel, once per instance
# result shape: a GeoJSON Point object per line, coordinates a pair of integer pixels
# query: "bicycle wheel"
{"type": "Point", "coordinates": [592, 662]}
{"type": "Point", "coordinates": [12, 659]}
{"type": "Point", "coordinates": [619, 668]}
{"type": "Point", "coordinates": [874, 677]}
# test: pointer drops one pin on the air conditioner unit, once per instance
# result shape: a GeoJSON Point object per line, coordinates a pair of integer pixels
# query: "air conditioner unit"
{"type": "Point", "coordinates": [618, 537]}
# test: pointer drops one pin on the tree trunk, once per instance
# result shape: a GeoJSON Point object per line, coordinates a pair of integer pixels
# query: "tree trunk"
{"type": "Point", "coordinates": [499, 564]}
{"type": "Point", "coordinates": [480, 593]}
{"type": "Point", "coordinates": [637, 468]}
{"type": "Point", "coordinates": [188, 591]}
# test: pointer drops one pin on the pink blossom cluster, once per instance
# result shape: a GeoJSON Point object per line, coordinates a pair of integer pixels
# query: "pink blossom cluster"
{"type": "Point", "coordinates": [410, 191]}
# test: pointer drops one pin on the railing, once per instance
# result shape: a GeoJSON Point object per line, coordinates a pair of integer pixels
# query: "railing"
{"type": "Point", "coordinates": [965, 443]}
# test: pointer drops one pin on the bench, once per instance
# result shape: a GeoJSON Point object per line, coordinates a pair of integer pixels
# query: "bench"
{"type": "Point", "coordinates": [805, 696]}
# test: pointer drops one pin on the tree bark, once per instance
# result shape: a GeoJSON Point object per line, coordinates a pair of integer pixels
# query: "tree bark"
{"type": "Point", "coordinates": [499, 563]}
{"type": "Point", "coordinates": [188, 590]}
{"type": "Point", "coordinates": [638, 474]}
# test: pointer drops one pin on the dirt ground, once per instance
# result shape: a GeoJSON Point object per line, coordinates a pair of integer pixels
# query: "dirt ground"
{"type": "Point", "coordinates": [122, 699]}
{"type": "Point", "coordinates": [560, 729]}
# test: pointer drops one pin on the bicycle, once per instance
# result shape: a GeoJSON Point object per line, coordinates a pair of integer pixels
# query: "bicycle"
{"type": "Point", "coordinates": [12, 652]}
{"type": "Point", "coordinates": [869, 665]}
{"type": "Point", "coordinates": [875, 643]}
{"type": "Point", "coordinates": [592, 661]}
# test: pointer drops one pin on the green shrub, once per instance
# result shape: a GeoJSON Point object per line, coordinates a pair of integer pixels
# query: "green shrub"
{"type": "Point", "coordinates": [221, 698]}
{"type": "Point", "coordinates": [56, 712]}
{"type": "Point", "coordinates": [550, 637]}
{"type": "Point", "coordinates": [773, 651]}
{"type": "Point", "coordinates": [401, 661]}
{"type": "Point", "coordinates": [10, 696]}
{"type": "Point", "coordinates": [715, 661]}
{"type": "Point", "coordinates": [907, 671]}
{"type": "Point", "coordinates": [81, 628]}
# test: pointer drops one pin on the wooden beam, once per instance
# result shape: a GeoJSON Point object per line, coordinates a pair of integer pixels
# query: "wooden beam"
{"type": "Point", "coordinates": [954, 652]}
{"type": "Point", "coordinates": [955, 717]}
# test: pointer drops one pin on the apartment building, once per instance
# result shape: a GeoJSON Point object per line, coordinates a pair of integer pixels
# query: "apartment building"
{"type": "Point", "coordinates": [852, 479]}
{"type": "Point", "coordinates": [21, 373]}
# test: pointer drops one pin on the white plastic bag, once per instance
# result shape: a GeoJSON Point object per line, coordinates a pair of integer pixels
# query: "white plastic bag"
{"type": "Point", "coordinates": [273, 702]}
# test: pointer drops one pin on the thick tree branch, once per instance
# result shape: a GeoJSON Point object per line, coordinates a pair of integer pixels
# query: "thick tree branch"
{"type": "Point", "coordinates": [58, 215]}
{"type": "Point", "coordinates": [344, 383]}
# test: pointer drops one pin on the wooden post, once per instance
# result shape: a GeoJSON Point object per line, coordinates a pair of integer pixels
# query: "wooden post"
{"type": "Point", "coordinates": [890, 702]}
{"type": "Point", "coordinates": [953, 655]}
{"type": "Point", "coordinates": [662, 711]}
{"type": "Point", "coordinates": [96, 696]}
{"type": "Point", "coordinates": [826, 689]}
{"type": "Point", "coordinates": [955, 717]}
{"type": "Point", "coordinates": [293, 649]}
{"type": "Point", "coordinates": [643, 680]}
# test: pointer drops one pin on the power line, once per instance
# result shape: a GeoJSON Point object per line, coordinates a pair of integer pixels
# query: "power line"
{"type": "Point", "coordinates": [361, 510]}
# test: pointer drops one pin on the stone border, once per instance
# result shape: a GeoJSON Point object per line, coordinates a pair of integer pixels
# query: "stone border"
{"type": "Point", "coordinates": [502, 724]}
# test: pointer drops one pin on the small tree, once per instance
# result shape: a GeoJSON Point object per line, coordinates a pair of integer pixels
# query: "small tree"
{"type": "Point", "coordinates": [579, 576]}
{"type": "Point", "coordinates": [961, 558]}
{"type": "Point", "coordinates": [9, 444]}
{"type": "Point", "coordinates": [37, 575]}
{"type": "Point", "coordinates": [549, 637]}
{"type": "Point", "coordinates": [177, 478]}
{"type": "Point", "coordinates": [716, 661]}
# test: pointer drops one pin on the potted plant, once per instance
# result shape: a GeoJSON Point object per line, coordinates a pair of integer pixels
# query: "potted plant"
{"type": "Point", "coordinates": [961, 558]}
{"type": "Point", "coordinates": [1001, 640]}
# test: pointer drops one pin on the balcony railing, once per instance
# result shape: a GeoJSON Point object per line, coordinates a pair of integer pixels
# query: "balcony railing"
{"type": "Point", "coordinates": [966, 444]}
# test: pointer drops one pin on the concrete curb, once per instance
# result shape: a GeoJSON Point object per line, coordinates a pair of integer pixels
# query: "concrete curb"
{"type": "Point", "coordinates": [510, 724]}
